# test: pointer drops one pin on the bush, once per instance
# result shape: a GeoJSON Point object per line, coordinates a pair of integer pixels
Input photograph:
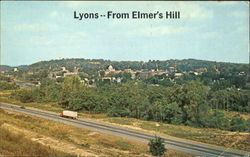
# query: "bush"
{"type": "Point", "coordinates": [4, 85]}
{"type": "Point", "coordinates": [117, 112]}
{"type": "Point", "coordinates": [24, 95]}
{"type": "Point", "coordinates": [239, 124]}
{"type": "Point", "coordinates": [156, 146]}
{"type": "Point", "coordinates": [216, 120]}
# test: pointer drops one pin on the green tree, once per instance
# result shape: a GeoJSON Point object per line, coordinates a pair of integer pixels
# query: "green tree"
{"type": "Point", "coordinates": [4, 85]}
{"type": "Point", "coordinates": [239, 124]}
{"type": "Point", "coordinates": [155, 94]}
{"type": "Point", "coordinates": [126, 77]}
{"type": "Point", "coordinates": [87, 99]}
{"type": "Point", "coordinates": [156, 111]}
{"type": "Point", "coordinates": [24, 95]}
{"type": "Point", "coordinates": [156, 146]}
{"type": "Point", "coordinates": [69, 85]}
{"type": "Point", "coordinates": [217, 120]}
{"type": "Point", "coordinates": [49, 91]}
{"type": "Point", "coordinates": [191, 98]}
{"type": "Point", "coordinates": [131, 97]}
{"type": "Point", "coordinates": [172, 113]}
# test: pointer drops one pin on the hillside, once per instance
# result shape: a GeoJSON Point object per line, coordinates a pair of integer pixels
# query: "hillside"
{"type": "Point", "coordinates": [91, 66]}
{"type": "Point", "coordinates": [5, 68]}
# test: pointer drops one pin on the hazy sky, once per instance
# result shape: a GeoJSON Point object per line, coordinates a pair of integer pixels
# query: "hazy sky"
{"type": "Point", "coordinates": [35, 31]}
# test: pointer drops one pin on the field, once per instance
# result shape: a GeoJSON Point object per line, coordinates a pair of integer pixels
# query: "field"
{"type": "Point", "coordinates": [232, 140]}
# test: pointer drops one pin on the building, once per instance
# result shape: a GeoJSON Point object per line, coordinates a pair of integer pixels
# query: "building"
{"type": "Point", "coordinates": [131, 72]}
{"type": "Point", "coordinates": [64, 69]}
{"type": "Point", "coordinates": [172, 69]}
{"type": "Point", "coordinates": [200, 70]}
{"type": "Point", "coordinates": [178, 74]}
{"type": "Point", "coordinates": [60, 58]}
{"type": "Point", "coordinates": [76, 70]}
{"type": "Point", "coordinates": [110, 68]}
{"type": "Point", "coordinates": [69, 74]}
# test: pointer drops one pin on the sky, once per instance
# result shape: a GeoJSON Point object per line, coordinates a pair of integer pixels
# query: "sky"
{"type": "Point", "coordinates": [33, 31]}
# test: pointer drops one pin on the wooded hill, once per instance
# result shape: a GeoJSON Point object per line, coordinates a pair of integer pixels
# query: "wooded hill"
{"type": "Point", "coordinates": [91, 66]}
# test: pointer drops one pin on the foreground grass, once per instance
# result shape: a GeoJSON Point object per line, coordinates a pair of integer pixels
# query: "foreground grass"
{"type": "Point", "coordinates": [13, 144]}
{"type": "Point", "coordinates": [234, 140]}
{"type": "Point", "coordinates": [56, 139]}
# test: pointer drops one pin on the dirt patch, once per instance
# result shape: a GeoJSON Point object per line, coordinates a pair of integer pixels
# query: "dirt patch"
{"type": "Point", "coordinates": [93, 134]}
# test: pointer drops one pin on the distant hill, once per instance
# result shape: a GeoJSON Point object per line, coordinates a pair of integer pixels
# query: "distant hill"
{"type": "Point", "coordinates": [93, 65]}
{"type": "Point", "coordinates": [5, 68]}
{"type": "Point", "coordinates": [23, 66]}
{"type": "Point", "coordinates": [8, 68]}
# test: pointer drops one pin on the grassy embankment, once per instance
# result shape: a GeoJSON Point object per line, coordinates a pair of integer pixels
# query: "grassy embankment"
{"type": "Point", "coordinates": [234, 140]}
{"type": "Point", "coordinates": [13, 144]}
{"type": "Point", "coordinates": [21, 134]}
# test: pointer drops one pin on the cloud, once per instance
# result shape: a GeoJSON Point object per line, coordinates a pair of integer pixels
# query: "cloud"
{"type": "Point", "coordinates": [209, 35]}
{"type": "Point", "coordinates": [162, 30]}
{"type": "Point", "coordinates": [84, 5]}
{"type": "Point", "coordinates": [41, 41]}
{"type": "Point", "coordinates": [77, 35]}
{"type": "Point", "coordinates": [194, 11]}
{"type": "Point", "coordinates": [223, 3]}
{"type": "Point", "coordinates": [74, 4]}
{"type": "Point", "coordinates": [34, 40]}
{"type": "Point", "coordinates": [35, 27]}
{"type": "Point", "coordinates": [54, 14]}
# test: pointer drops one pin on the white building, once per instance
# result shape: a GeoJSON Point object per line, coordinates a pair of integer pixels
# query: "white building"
{"type": "Point", "coordinates": [110, 68]}
{"type": "Point", "coordinates": [178, 74]}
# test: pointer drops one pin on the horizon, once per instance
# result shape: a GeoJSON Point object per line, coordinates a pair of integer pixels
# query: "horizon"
{"type": "Point", "coordinates": [57, 59]}
{"type": "Point", "coordinates": [38, 31]}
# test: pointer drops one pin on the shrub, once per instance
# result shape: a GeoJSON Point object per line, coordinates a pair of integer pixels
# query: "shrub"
{"type": "Point", "coordinates": [24, 95]}
{"type": "Point", "coordinates": [4, 85]}
{"type": "Point", "coordinates": [156, 146]}
{"type": "Point", "coordinates": [238, 124]}
{"type": "Point", "coordinates": [216, 120]}
{"type": "Point", "coordinates": [117, 112]}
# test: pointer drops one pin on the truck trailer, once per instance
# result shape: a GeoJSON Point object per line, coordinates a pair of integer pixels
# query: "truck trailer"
{"type": "Point", "coordinates": [69, 114]}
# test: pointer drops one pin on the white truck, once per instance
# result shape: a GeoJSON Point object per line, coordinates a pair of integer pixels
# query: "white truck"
{"type": "Point", "coordinates": [69, 114]}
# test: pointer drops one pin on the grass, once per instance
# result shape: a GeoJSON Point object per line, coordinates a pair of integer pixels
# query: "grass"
{"type": "Point", "coordinates": [231, 114]}
{"type": "Point", "coordinates": [123, 121]}
{"type": "Point", "coordinates": [76, 140]}
{"type": "Point", "coordinates": [16, 144]}
{"type": "Point", "coordinates": [123, 145]}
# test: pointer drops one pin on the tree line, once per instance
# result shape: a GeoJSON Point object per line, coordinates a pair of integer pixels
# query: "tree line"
{"type": "Point", "coordinates": [91, 66]}
{"type": "Point", "coordinates": [190, 103]}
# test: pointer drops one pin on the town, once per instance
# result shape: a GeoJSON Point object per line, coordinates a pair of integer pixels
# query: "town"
{"type": "Point", "coordinates": [182, 93]}
{"type": "Point", "coordinates": [96, 72]}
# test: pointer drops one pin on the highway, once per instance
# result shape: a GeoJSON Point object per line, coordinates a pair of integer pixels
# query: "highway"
{"type": "Point", "coordinates": [170, 142]}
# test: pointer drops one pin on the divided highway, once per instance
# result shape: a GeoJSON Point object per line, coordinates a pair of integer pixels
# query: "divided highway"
{"type": "Point", "coordinates": [170, 142]}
